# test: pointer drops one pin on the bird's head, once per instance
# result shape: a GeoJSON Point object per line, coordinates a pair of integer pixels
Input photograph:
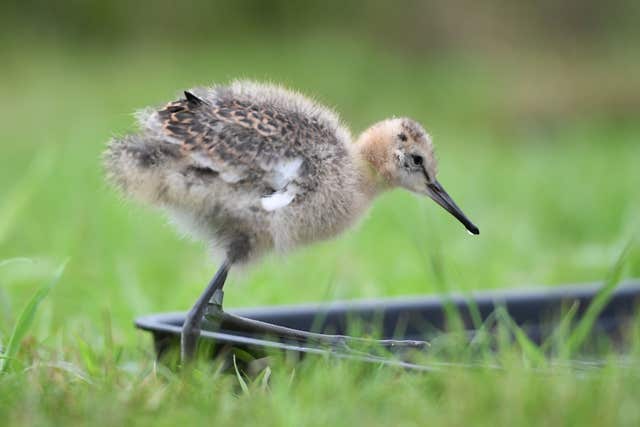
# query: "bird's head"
{"type": "Point", "coordinates": [401, 153]}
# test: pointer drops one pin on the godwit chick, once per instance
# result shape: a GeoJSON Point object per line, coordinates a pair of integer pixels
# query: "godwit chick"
{"type": "Point", "coordinates": [252, 167]}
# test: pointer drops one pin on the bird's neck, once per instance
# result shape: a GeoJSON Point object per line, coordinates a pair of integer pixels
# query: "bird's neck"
{"type": "Point", "coordinates": [366, 156]}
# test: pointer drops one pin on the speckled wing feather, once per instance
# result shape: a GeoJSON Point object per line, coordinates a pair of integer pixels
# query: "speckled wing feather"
{"type": "Point", "coordinates": [246, 143]}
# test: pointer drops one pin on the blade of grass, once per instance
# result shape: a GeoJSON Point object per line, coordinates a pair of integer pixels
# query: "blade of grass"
{"type": "Point", "coordinates": [25, 320]}
{"type": "Point", "coordinates": [561, 331]}
{"type": "Point", "coordinates": [586, 323]}
{"type": "Point", "coordinates": [474, 312]}
{"type": "Point", "coordinates": [264, 377]}
{"type": "Point", "coordinates": [89, 357]}
{"type": "Point", "coordinates": [482, 338]}
{"type": "Point", "coordinates": [531, 351]}
{"type": "Point", "coordinates": [243, 384]}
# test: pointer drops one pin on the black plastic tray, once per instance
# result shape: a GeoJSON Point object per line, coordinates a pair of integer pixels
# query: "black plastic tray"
{"type": "Point", "coordinates": [535, 311]}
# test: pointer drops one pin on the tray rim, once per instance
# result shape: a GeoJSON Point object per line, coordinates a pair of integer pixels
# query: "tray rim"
{"type": "Point", "coordinates": [513, 295]}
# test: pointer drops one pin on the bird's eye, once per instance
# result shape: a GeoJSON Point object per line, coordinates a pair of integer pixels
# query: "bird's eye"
{"type": "Point", "coordinates": [417, 160]}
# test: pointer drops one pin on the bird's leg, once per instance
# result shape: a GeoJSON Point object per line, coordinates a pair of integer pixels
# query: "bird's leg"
{"type": "Point", "coordinates": [193, 320]}
{"type": "Point", "coordinates": [209, 306]}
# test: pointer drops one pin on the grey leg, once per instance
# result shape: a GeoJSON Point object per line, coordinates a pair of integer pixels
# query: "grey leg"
{"type": "Point", "coordinates": [191, 326]}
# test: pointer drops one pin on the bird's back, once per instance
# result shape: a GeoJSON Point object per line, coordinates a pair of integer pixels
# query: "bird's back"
{"type": "Point", "coordinates": [245, 157]}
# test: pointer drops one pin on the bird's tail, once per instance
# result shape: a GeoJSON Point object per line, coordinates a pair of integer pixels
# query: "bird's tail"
{"type": "Point", "coordinates": [135, 165]}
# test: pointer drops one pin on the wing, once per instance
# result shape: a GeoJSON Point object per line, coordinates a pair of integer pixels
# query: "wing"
{"type": "Point", "coordinates": [247, 144]}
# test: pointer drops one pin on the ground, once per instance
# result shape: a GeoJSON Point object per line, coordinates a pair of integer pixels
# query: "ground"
{"type": "Point", "coordinates": [555, 195]}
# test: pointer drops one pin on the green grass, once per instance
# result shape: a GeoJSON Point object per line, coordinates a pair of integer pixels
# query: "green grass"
{"type": "Point", "coordinates": [555, 195]}
{"type": "Point", "coordinates": [24, 322]}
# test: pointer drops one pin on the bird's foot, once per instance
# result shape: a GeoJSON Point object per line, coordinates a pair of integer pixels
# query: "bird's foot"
{"type": "Point", "coordinates": [213, 312]}
{"type": "Point", "coordinates": [232, 322]}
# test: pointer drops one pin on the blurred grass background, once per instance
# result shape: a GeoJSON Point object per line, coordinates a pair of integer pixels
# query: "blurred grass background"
{"type": "Point", "coordinates": [534, 107]}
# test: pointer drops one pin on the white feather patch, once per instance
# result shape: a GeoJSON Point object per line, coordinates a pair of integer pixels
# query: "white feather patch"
{"type": "Point", "coordinates": [277, 200]}
{"type": "Point", "coordinates": [284, 172]}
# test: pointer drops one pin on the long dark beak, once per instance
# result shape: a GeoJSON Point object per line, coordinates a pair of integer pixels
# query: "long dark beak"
{"type": "Point", "coordinates": [440, 196]}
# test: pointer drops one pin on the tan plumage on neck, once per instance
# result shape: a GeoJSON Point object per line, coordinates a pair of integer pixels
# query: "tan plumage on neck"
{"type": "Point", "coordinates": [374, 159]}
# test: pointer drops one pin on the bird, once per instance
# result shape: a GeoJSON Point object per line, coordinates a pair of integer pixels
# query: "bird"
{"type": "Point", "coordinates": [251, 167]}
